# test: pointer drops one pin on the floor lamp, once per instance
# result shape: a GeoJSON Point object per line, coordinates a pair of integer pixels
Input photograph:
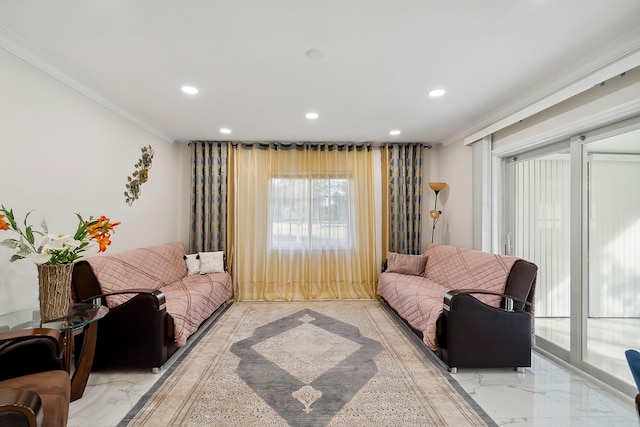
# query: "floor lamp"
{"type": "Point", "coordinates": [435, 213]}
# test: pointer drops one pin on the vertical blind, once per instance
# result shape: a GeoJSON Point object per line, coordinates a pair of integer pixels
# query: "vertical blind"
{"type": "Point", "coordinates": [614, 235]}
{"type": "Point", "coordinates": [542, 234]}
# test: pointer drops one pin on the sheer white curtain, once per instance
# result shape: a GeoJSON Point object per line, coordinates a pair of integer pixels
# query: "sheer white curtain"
{"type": "Point", "coordinates": [305, 225]}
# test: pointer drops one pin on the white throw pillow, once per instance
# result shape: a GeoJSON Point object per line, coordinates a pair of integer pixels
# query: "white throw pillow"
{"type": "Point", "coordinates": [193, 264]}
{"type": "Point", "coordinates": [211, 262]}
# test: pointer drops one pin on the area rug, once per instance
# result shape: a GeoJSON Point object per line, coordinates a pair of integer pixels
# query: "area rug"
{"type": "Point", "coordinates": [334, 363]}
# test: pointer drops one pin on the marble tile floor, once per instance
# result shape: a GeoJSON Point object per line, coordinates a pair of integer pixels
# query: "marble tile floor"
{"type": "Point", "coordinates": [547, 394]}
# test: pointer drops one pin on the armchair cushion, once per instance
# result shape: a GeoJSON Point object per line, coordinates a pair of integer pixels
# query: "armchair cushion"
{"type": "Point", "coordinates": [54, 390]}
{"type": "Point", "coordinates": [28, 351]}
{"type": "Point", "coordinates": [32, 377]}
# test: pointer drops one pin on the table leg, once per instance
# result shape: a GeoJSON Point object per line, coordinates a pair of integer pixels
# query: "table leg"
{"type": "Point", "coordinates": [85, 361]}
{"type": "Point", "coordinates": [68, 349]}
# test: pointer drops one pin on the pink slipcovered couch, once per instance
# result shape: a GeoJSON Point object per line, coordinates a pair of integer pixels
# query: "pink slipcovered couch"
{"type": "Point", "coordinates": [426, 299]}
{"type": "Point", "coordinates": [154, 306]}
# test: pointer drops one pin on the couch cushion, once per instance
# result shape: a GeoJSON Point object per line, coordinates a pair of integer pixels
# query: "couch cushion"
{"type": "Point", "coordinates": [147, 268]}
{"type": "Point", "coordinates": [406, 264]}
{"type": "Point", "coordinates": [417, 300]}
{"type": "Point", "coordinates": [192, 299]}
{"type": "Point", "coordinates": [461, 268]}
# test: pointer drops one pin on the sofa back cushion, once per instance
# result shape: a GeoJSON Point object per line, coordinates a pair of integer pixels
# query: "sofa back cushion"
{"type": "Point", "coordinates": [144, 268]}
{"type": "Point", "coordinates": [460, 268]}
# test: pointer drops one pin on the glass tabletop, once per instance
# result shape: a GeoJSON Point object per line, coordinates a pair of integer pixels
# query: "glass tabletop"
{"type": "Point", "coordinates": [79, 315]}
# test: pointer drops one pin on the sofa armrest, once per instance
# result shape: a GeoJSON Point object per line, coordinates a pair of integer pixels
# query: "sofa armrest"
{"type": "Point", "coordinates": [474, 334]}
{"type": "Point", "coordinates": [156, 294]}
{"type": "Point", "coordinates": [509, 299]}
{"type": "Point", "coordinates": [20, 405]}
{"type": "Point", "coordinates": [136, 333]}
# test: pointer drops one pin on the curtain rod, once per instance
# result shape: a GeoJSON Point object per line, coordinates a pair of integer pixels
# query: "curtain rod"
{"type": "Point", "coordinates": [374, 145]}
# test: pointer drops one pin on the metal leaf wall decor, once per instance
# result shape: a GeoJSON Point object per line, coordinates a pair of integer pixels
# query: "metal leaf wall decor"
{"type": "Point", "coordinates": [139, 176]}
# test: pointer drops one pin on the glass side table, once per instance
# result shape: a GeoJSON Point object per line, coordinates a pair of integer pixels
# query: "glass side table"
{"type": "Point", "coordinates": [80, 318]}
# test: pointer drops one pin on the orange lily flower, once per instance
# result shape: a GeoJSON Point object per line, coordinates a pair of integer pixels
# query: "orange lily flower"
{"type": "Point", "coordinates": [103, 242]}
{"type": "Point", "coordinates": [4, 225]}
{"type": "Point", "coordinates": [100, 229]}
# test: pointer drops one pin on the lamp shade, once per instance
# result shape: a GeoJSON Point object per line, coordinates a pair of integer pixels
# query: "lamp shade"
{"type": "Point", "coordinates": [437, 186]}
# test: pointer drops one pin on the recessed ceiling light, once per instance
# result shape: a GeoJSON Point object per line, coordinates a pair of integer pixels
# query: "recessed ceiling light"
{"type": "Point", "coordinates": [311, 116]}
{"type": "Point", "coordinates": [394, 132]}
{"type": "Point", "coordinates": [436, 92]}
{"type": "Point", "coordinates": [225, 130]}
{"type": "Point", "coordinates": [190, 90]}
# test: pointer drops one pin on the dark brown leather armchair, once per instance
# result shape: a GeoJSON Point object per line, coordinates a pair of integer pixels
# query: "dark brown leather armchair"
{"type": "Point", "coordinates": [35, 389]}
{"type": "Point", "coordinates": [472, 334]}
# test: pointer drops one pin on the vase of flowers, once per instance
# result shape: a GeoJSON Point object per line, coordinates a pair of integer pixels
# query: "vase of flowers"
{"type": "Point", "coordinates": [54, 289]}
{"type": "Point", "coordinates": [54, 255]}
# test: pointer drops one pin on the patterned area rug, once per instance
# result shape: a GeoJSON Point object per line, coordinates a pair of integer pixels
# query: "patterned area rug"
{"type": "Point", "coordinates": [334, 363]}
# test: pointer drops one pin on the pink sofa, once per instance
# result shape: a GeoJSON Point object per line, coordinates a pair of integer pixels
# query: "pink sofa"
{"type": "Point", "coordinates": [499, 289]}
{"type": "Point", "coordinates": [154, 306]}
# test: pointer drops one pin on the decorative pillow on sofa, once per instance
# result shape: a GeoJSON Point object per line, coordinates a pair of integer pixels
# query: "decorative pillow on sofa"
{"type": "Point", "coordinates": [406, 264]}
{"type": "Point", "coordinates": [211, 262]}
{"type": "Point", "coordinates": [193, 264]}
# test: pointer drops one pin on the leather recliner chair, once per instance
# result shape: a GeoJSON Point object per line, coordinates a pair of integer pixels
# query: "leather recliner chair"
{"type": "Point", "coordinates": [35, 388]}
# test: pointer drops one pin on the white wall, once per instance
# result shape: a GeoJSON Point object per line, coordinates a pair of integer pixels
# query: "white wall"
{"type": "Point", "coordinates": [183, 159]}
{"type": "Point", "coordinates": [453, 165]}
{"type": "Point", "coordinates": [61, 153]}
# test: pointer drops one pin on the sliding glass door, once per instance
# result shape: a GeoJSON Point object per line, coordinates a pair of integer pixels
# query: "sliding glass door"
{"type": "Point", "coordinates": [612, 317]}
{"type": "Point", "coordinates": [573, 208]}
{"type": "Point", "coordinates": [539, 231]}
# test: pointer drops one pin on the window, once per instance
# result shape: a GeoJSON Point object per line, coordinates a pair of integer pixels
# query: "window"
{"type": "Point", "coordinates": [310, 213]}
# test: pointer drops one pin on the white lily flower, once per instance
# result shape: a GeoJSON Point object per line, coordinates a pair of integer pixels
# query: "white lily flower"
{"type": "Point", "coordinates": [60, 242]}
{"type": "Point", "coordinates": [38, 259]}
{"type": "Point", "coordinates": [55, 241]}
{"type": "Point", "coordinates": [71, 243]}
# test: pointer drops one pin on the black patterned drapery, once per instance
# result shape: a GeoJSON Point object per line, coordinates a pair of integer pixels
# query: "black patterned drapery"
{"type": "Point", "coordinates": [405, 198]}
{"type": "Point", "coordinates": [209, 200]}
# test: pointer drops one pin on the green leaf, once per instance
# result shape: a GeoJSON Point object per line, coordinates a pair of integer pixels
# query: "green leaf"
{"type": "Point", "coordinates": [15, 257]}
{"type": "Point", "coordinates": [44, 227]}
{"type": "Point", "coordinates": [81, 231]}
{"type": "Point", "coordinates": [29, 235]}
{"type": "Point", "coordinates": [10, 243]}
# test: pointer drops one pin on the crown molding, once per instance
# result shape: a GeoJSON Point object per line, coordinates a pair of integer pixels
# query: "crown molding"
{"type": "Point", "coordinates": [603, 64]}
{"type": "Point", "coordinates": [29, 53]}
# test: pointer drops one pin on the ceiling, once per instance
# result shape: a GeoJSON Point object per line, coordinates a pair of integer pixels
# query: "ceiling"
{"type": "Point", "coordinates": [377, 61]}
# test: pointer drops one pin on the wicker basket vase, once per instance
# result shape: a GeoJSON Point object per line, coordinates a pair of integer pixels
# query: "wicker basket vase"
{"type": "Point", "coordinates": [54, 289]}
